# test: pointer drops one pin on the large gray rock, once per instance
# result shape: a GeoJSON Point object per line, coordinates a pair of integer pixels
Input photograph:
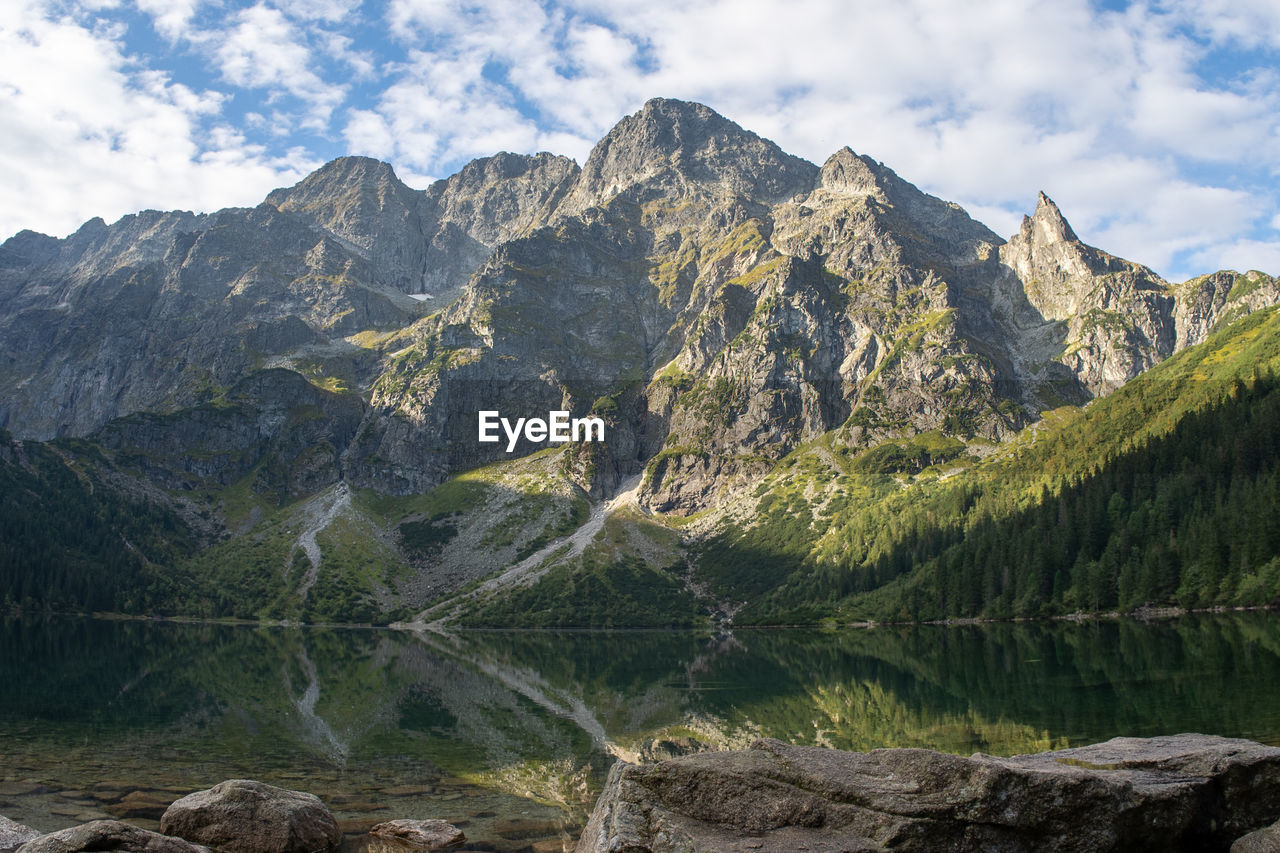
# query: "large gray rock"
{"type": "Point", "coordinates": [13, 835]}
{"type": "Point", "coordinates": [244, 816]}
{"type": "Point", "coordinates": [109, 835]}
{"type": "Point", "coordinates": [1184, 792]}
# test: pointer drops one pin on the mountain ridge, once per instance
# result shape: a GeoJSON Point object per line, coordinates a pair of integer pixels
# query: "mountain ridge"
{"type": "Point", "coordinates": [718, 302]}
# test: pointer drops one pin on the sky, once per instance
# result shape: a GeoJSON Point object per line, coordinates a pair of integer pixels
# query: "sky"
{"type": "Point", "coordinates": [1154, 126]}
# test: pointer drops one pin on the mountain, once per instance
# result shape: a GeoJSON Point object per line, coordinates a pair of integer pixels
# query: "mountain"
{"type": "Point", "coordinates": [771, 345]}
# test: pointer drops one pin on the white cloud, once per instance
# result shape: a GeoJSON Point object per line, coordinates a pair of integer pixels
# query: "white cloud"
{"type": "Point", "coordinates": [320, 10]}
{"type": "Point", "coordinates": [363, 64]}
{"type": "Point", "coordinates": [171, 18]}
{"type": "Point", "coordinates": [1110, 112]}
{"type": "Point", "coordinates": [1249, 23]}
{"type": "Point", "coordinates": [92, 134]}
{"type": "Point", "coordinates": [368, 133]}
{"type": "Point", "coordinates": [1241, 255]}
{"type": "Point", "coordinates": [264, 49]}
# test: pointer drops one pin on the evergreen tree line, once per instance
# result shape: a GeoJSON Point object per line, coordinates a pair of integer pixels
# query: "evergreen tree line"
{"type": "Point", "coordinates": [1190, 518]}
{"type": "Point", "coordinates": [69, 543]}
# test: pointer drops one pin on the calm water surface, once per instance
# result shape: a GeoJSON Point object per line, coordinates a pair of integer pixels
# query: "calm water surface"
{"type": "Point", "coordinates": [510, 734]}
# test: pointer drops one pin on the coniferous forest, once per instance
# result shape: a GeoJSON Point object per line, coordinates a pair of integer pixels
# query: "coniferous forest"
{"type": "Point", "coordinates": [1189, 519]}
{"type": "Point", "coordinates": [70, 542]}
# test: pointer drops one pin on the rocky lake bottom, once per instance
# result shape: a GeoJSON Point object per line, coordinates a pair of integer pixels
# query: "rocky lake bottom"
{"type": "Point", "coordinates": [509, 735]}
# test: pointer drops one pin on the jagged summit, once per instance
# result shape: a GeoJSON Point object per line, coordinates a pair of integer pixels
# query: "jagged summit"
{"type": "Point", "coordinates": [1047, 246]}
{"type": "Point", "coordinates": [670, 144]}
{"type": "Point", "coordinates": [506, 165]}
{"type": "Point", "coordinates": [347, 188]}
{"type": "Point", "coordinates": [852, 174]}
{"type": "Point", "coordinates": [942, 229]}
{"type": "Point", "coordinates": [350, 168]}
{"type": "Point", "coordinates": [1047, 223]}
{"type": "Point", "coordinates": [495, 198]}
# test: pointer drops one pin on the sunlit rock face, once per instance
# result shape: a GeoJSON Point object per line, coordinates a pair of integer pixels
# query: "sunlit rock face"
{"type": "Point", "coordinates": [716, 299]}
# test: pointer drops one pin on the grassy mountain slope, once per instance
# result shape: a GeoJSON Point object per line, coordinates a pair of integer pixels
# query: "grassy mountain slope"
{"type": "Point", "coordinates": [1161, 493]}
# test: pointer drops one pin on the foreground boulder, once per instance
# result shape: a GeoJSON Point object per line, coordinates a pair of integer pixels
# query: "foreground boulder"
{"type": "Point", "coordinates": [1265, 840]}
{"type": "Point", "coordinates": [243, 816]}
{"type": "Point", "coordinates": [13, 835]}
{"type": "Point", "coordinates": [1178, 793]}
{"type": "Point", "coordinates": [420, 834]}
{"type": "Point", "coordinates": [109, 835]}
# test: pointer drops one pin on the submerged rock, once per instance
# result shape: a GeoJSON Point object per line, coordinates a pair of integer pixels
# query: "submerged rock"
{"type": "Point", "coordinates": [420, 834]}
{"type": "Point", "coordinates": [147, 804]}
{"type": "Point", "coordinates": [13, 835]}
{"type": "Point", "coordinates": [1183, 792]}
{"type": "Point", "coordinates": [244, 816]}
{"type": "Point", "coordinates": [109, 835]}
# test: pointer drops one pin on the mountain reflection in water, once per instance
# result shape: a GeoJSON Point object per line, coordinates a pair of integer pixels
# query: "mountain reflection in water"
{"type": "Point", "coordinates": [510, 734]}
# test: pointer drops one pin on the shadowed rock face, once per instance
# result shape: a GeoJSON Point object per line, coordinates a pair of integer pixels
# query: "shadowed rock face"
{"type": "Point", "coordinates": [273, 418]}
{"type": "Point", "coordinates": [1184, 792]}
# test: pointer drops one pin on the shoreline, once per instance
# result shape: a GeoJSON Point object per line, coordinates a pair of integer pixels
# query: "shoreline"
{"type": "Point", "coordinates": [1143, 614]}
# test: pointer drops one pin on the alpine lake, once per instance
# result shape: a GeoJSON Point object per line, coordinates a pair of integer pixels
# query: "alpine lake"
{"type": "Point", "coordinates": [510, 735]}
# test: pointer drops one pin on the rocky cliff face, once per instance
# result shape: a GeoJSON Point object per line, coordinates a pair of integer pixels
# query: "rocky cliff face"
{"type": "Point", "coordinates": [1115, 318]}
{"type": "Point", "coordinates": [92, 331]}
{"type": "Point", "coordinates": [274, 424]}
{"type": "Point", "coordinates": [164, 310]}
{"type": "Point", "coordinates": [428, 243]}
{"type": "Point", "coordinates": [717, 301]}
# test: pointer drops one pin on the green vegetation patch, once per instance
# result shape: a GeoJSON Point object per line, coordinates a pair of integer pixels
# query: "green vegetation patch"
{"type": "Point", "coordinates": [625, 593]}
{"type": "Point", "coordinates": [1165, 492]}
{"type": "Point", "coordinates": [69, 542]}
{"type": "Point", "coordinates": [911, 456]}
{"type": "Point", "coordinates": [426, 537]}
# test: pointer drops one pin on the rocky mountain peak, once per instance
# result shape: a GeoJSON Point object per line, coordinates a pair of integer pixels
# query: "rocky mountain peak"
{"type": "Point", "coordinates": [361, 203]}
{"type": "Point", "coordinates": [96, 225]}
{"type": "Point", "coordinates": [494, 198]}
{"type": "Point", "coordinates": [345, 188]}
{"type": "Point", "coordinates": [1114, 318]}
{"type": "Point", "coordinates": [670, 146]}
{"type": "Point", "coordinates": [1047, 225]}
{"type": "Point", "coordinates": [851, 174]}
{"type": "Point", "coordinates": [943, 231]}
{"type": "Point", "coordinates": [1047, 247]}
{"type": "Point", "coordinates": [507, 166]}
{"type": "Point", "coordinates": [27, 248]}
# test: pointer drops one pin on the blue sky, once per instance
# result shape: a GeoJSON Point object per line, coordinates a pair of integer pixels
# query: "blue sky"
{"type": "Point", "coordinates": [1155, 126]}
